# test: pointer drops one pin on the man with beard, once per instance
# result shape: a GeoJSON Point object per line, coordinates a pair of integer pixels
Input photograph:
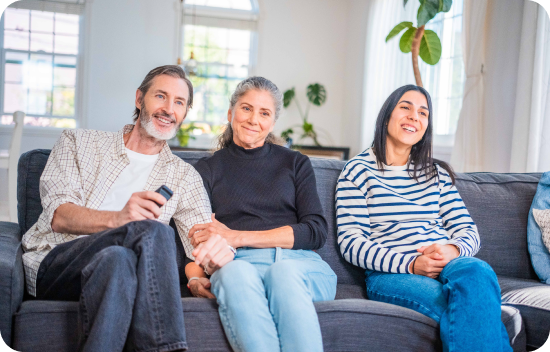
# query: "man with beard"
{"type": "Point", "coordinates": [103, 239]}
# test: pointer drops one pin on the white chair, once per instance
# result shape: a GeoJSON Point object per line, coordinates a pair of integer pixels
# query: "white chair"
{"type": "Point", "coordinates": [9, 161]}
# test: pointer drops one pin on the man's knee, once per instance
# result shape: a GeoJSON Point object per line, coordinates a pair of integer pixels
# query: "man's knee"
{"type": "Point", "coordinates": [152, 230]}
{"type": "Point", "coordinates": [115, 260]}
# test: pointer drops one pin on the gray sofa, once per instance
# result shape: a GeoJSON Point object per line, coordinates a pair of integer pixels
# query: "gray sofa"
{"type": "Point", "coordinates": [498, 203]}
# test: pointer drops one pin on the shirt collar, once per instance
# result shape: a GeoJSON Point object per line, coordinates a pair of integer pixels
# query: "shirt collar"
{"type": "Point", "coordinates": [165, 154]}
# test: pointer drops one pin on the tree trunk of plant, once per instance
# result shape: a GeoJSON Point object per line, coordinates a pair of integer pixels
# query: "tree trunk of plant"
{"type": "Point", "coordinates": [415, 50]}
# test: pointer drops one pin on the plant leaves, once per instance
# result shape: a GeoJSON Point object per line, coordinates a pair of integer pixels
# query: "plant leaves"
{"type": "Point", "coordinates": [405, 43]}
{"type": "Point", "coordinates": [307, 127]}
{"type": "Point", "coordinates": [316, 94]}
{"type": "Point", "coordinates": [288, 96]}
{"type": "Point", "coordinates": [427, 10]}
{"type": "Point", "coordinates": [430, 47]}
{"type": "Point", "coordinates": [445, 5]}
{"type": "Point", "coordinates": [405, 3]}
{"type": "Point", "coordinates": [397, 29]}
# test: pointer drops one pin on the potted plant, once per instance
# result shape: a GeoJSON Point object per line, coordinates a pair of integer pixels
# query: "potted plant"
{"type": "Point", "coordinates": [316, 95]}
{"type": "Point", "coordinates": [184, 133]}
{"type": "Point", "coordinates": [419, 41]}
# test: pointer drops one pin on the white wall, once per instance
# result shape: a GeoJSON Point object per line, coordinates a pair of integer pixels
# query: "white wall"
{"type": "Point", "coordinates": [303, 42]}
{"type": "Point", "coordinates": [125, 40]}
{"type": "Point", "coordinates": [504, 23]}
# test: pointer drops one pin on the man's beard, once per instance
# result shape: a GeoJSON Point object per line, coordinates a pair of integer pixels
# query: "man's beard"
{"type": "Point", "coordinates": [146, 120]}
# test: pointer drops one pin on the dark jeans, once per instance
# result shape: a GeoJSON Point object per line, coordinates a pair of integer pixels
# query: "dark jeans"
{"type": "Point", "coordinates": [126, 281]}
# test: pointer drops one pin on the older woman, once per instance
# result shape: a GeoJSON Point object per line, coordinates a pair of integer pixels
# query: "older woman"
{"type": "Point", "coordinates": [265, 202]}
{"type": "Point", "coordinates": [401, 218]}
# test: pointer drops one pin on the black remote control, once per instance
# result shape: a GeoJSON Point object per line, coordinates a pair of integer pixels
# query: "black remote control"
{"type": "Point", "coordinates": [165, 192]}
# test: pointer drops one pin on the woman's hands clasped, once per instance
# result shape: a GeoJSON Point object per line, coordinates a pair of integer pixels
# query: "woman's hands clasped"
{"type": "Point", "coordinates": [433, 259]}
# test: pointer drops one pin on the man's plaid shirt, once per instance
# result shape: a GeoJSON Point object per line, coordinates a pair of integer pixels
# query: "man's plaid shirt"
{"type": "Point", "coordinates": [83, 165]}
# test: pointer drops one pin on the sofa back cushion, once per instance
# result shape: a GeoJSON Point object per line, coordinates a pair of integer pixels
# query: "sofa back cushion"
{"type": "Point", "coordinates": [498, 204]}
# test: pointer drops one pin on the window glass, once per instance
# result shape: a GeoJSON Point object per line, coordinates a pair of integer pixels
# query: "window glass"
{"type": "Point", "coordinates": [445, 80]}
{"type": "Point", "coordinates": [223, 58]}
{"type": "Point", "coordinates": [40, 67]}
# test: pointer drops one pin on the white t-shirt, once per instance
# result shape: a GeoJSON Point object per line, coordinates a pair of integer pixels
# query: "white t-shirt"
{"type": "Point", "coordinates": [131, 180]}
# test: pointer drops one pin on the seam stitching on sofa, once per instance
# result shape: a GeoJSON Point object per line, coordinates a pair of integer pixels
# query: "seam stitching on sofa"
{"type": "Point", "coordinates": [373, 313]}
{"type": "Point", "coordinates": [525, 305]}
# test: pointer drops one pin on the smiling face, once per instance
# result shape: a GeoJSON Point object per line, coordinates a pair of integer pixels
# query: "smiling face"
{"type": "Point", "coordinates": [163, 107]}
{"type": "Point", "coordinates": [409, 120]}
{"type": "Point", "coordinates": [252, 118]}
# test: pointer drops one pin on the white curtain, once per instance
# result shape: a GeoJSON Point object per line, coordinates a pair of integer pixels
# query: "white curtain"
{"type": "Point", "coordinates": [467, 155]}
{"type": "Point", "coordinates": [531, 138]}
{"type": "Point", "coordinates": [386, 67]}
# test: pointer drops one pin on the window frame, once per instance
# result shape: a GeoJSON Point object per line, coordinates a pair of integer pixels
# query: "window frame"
{"type": "Point", "coordinates": [445, 142]}
{"type": "Point", "coordinates": [217, 15]}
{"type": "Point", "coordinates": [78, 87]}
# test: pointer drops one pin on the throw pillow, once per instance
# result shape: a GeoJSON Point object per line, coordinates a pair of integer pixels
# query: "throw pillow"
{"type": "Point", "coordinates": [538, 251]}
{"type": "Point", "coordinates": [542, 217]}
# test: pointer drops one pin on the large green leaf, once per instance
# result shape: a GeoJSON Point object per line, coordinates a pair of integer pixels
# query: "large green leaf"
{"type": "Point", "coordinates": [397, 29]}
{"type": "Point", "coordinates": [430, 47]}
{"type": "Point", "coordinates": [445, 5]}
{"type": "Point", "coordinates": [427, 10]}
{"type": "Point", "coordinates": [288, 96]}
{"type": "Point", "coordinates": [316, 94]}
{"type": "Point", "coordinates": [405, 43]}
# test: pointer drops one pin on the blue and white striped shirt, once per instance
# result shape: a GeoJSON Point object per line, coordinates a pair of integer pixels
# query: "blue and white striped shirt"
{"type": "Point", "coordinates": [383, 218]}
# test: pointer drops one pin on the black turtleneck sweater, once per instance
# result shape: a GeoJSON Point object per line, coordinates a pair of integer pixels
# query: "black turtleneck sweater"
{"type": "Point", "coordinates": [265, 188]}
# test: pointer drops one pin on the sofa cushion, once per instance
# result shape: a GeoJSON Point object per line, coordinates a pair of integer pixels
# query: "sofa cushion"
{"type": "Point", "coordinates": [346, 325]}
{"type": "Point", "coordinates": [538, 230]}
{"type": "Point", "coordinates": [532, 299]}
{"type": "Point", "coordinates": [30, 168]}
{"type": "Point", "coordinates": [499, 205]}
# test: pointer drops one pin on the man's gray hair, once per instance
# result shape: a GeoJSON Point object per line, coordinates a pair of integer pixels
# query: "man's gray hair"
{"type": "Point", "coordinates": [253, 83]}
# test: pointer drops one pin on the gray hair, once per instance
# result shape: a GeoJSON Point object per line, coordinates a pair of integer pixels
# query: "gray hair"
{"type": "Point", "coordinates": [256, 83]}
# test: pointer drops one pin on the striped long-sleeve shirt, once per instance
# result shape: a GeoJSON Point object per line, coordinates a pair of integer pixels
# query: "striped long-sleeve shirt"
{"type": "Point", "coordinates": [384, 217]}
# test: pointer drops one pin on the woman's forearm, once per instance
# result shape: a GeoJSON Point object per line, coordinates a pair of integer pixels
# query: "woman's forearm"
{"type": "Point", "coordinates": [280, 237]}
{"type": "Point", "coordinates": [193, 270]}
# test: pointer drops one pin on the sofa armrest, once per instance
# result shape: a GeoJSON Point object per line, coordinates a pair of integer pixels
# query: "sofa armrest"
{"type": "Point", "coordinates": [12, 278]}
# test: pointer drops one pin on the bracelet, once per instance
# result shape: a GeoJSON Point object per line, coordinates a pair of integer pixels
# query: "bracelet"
{"type": "Point", "coordinates": [414, 262]}
{"type": "Point", "coordinates": [191, 279]}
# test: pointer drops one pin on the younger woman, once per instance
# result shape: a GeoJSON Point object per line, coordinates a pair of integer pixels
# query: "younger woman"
{"type": "Point", "coordinates": [401, 218]}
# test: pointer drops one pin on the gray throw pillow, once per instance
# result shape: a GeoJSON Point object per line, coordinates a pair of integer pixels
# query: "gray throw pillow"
{"type": "Point", "coordinates": [542, 217]}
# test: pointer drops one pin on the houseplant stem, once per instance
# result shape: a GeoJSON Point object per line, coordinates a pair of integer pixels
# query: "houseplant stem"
{"type": "Point", "coordinates": [415, 50]}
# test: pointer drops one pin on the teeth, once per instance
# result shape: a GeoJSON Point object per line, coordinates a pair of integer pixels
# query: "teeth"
{"type": "Point", "coordinates": [410, 129]}
{"type": "Point", "coordinates": [164, 120]}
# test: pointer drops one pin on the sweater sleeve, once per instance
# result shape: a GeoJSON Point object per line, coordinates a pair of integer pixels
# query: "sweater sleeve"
{"type": "Point", "coordinates": [456, 219]}
{"type": "Point", "coordinates": [354, 231]}
{"type": "Point", "coordinates": [311, 230]}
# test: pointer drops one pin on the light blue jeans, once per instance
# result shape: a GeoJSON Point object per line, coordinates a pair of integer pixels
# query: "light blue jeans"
{"type": "Point", "coordinates": [266, 296]}
{"type": "Point", "coordinates": [464, 300]}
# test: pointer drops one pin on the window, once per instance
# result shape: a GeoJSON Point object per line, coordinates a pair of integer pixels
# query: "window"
{"type": "Point", "coordinates": [445, 81]}
{"type": "Point", "coordinates": [220, 35]}
{"type": "Point", "coordinates": [39, 66]}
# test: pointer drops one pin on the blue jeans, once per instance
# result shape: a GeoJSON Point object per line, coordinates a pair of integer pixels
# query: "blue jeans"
{"type": "Point", "coordinates": [266, 297]}
{"type": "Point", "coordinates": [126, 282]}
{"type": "Point", "coordinates": [464, 300]}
